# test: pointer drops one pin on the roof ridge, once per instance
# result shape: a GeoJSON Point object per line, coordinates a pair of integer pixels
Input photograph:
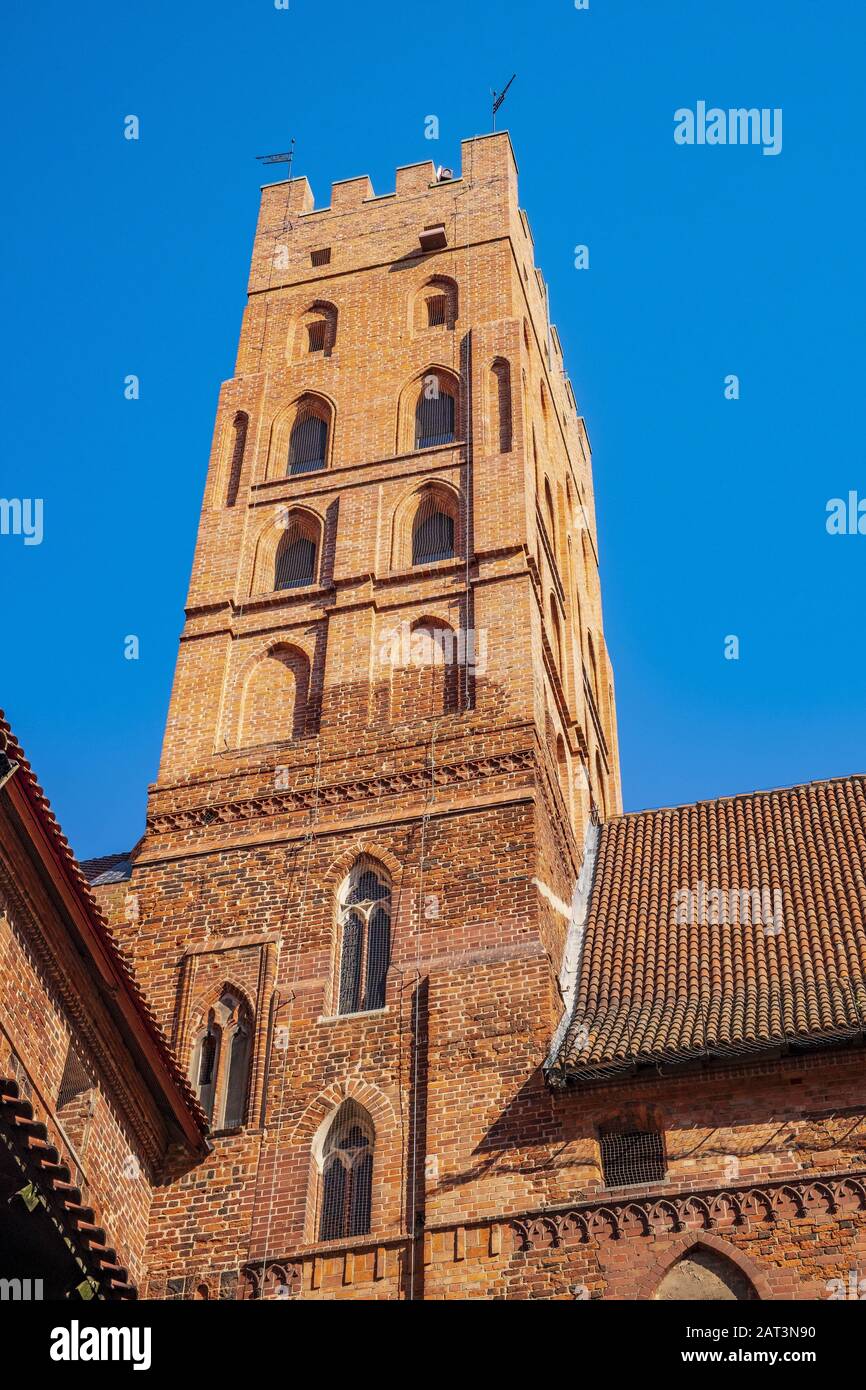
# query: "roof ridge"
{"type": "Point", "coordinates": [738, 796]}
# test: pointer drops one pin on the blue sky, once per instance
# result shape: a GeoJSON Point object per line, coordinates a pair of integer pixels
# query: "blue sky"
{"type": "Point", "coordinates": [131, 257]}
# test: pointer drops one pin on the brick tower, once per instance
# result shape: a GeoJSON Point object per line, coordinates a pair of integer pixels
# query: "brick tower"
{"type": "Point", "coordinates": [392, 717]}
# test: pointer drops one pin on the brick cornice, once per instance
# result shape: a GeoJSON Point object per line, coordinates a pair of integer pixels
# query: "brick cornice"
{"type": "Point", "coordinates": [309, 798]}
{"type": "Point", "coordinates": [659, 1214]}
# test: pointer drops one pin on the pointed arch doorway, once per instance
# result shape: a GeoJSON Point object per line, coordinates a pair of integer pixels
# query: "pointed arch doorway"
{"type": "Point", "coordinates": [703, 1274]}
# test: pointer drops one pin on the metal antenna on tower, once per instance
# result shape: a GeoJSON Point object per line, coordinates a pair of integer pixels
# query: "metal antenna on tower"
{"type": "Point", "coordinates": [285, 158]}
{"type": "Point", "coordinates": [499, 97]}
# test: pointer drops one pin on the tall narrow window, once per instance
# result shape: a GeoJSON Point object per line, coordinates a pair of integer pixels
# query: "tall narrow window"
{"type": "Point", "coordinates": [295, 563]}
{"type": "Point", "coordinates": [500, 405]}
{"type": "Point", "coordinates": [240, 1043]}
{"type": "Point", "coordinates": [308, 442]}
{"type": "Point", "coordinates": [206, 1068]}
{"type": "Point", "coordinates": [240, 425]}
{"type": "Point", "coordinates": [432, 532]}
{"type": "Point", "coordinates": [347, 1174]}
{"type": "Point", "coordinates": [434, 415]}
{"type": "Point", "coordinates": [365, 937]}
{"type": "Point", "coordinates": [221, 1062]}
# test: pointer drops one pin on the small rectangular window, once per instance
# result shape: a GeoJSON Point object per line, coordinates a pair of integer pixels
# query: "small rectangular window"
{"type": "Point", "coordinates": [321, 257]}
{"type": "Point", "coordinates": [316, 333]}
{"type": "Point", "coordinates": [437, 310]}
{"type": "Point", "coordinates": [632, 1157]}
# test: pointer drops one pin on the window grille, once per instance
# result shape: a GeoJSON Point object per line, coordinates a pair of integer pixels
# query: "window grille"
{"type": "Point", "coordinates": [321, 257]}
{"type": "Point", "coordinates": [432, 534]}
{"type": "Point", "coordinates": [317, 335]}
{"type": "Point", "coordinates": [437, 310]}
{"type": "Point", "coordinates": [296, 561]}
{"type": "Point", "coordinates": [347, 1175]}
{"type": "Point", "coordinates": [630, 1157]}
{"type": "Point", "coordinates": [75, 1080]}
{"type": "Point", "coordinates": [365, 938]}
{"type": "Point", "coordinates": [308, 443]}
{"type": "Point", "coordinates": [434, 418]}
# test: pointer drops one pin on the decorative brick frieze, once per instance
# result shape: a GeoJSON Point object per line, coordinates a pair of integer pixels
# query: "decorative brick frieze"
{"type": "Point", "coordinates": [310, 798]}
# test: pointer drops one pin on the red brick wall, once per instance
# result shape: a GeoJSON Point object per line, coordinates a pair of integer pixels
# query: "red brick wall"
{"type": "Point", "coordinates": [111, 1134]}
{"type": "Point", "coordinates": [478, 814]}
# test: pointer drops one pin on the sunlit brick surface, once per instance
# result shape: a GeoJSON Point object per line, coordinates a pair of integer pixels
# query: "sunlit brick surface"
{"type": "Point", "coordinates": [301, 735]}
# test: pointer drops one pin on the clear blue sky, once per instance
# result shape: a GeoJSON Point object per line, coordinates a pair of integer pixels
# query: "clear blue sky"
{"type": "Point", "coordinates": [122, 257]}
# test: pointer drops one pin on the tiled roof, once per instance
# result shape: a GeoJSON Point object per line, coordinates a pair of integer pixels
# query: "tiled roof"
{"type": "Point", "coordinates": [671, 970]}
{"type": "Point", "coordinates": [175, 1081]}
{"type": "Point", "coordinates": [41, 1164]}
{"type": "Point", "coordinates": [109, 868]}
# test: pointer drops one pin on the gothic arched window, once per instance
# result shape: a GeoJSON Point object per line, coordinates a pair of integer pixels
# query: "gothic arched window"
{"type": "Point", "coordinates": [221, 1062]}
{"type": "Point", "coordinates": [295, 562]}
{"type": "Point", "coordinates": [240, 1046]}
{"type": "Point", "coordinates": [432, 532]}
{"type": "Point", "coordinates": [365, 937]}
{"type": "Point", "coordinates": [435, 414]}
{"type": "Point", "coordinates": [206, 1065]}
{"type": "Point", "coordinates": [308, 441]}
{"type": "Point", "coordinates": [347, 1174]}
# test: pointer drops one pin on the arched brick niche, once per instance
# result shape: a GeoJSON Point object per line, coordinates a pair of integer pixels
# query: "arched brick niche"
{"type": "Point", "coordinates": [706, 1270]}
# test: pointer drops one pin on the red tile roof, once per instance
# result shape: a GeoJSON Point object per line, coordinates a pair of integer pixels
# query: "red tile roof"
{"type": "Point", "coordinates": [99, 943]}
{"type": "Point", "coordinates": [109, 868]}
{"type": "Point", "coordinates": [668, 975]}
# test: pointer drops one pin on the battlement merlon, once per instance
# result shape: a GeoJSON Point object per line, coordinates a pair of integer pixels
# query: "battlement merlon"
{"type": "Point", "coordinates": [477, 204]}
{"type": "Point", "coordinates": [360, 229]}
